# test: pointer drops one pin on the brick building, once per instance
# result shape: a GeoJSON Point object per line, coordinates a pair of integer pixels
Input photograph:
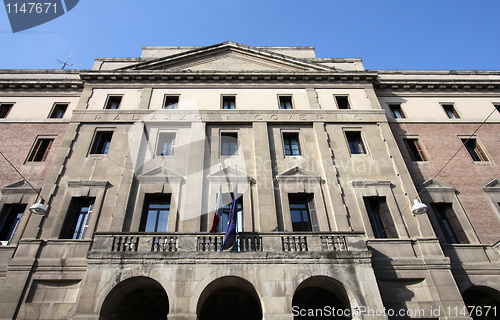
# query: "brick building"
{"type": "Point", "coordinates": [324, 156]}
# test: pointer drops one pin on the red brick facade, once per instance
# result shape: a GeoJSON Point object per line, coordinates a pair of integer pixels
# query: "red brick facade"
{"type": "Point", "coordinates": [440, 141]}
{"type": "Point", "coordinates": [17, 140]}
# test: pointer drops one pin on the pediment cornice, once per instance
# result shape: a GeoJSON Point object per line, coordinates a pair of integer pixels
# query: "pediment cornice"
{"type": "Point", "coordinates": [260, 58]}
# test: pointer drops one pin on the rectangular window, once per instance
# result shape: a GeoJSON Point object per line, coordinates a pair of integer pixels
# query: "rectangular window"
{"type": "Point", "coordinates": [451, 111]}
{"type": "Point", "coordinates": [113, 102]}
{"type": "Point", "coordinates": [303, 212]}
{"type": "Point", "coordinates": [5, 109]}
{"type": "Point", "coordinates": [58, 111]}
{"type": "Point", "coordinates": [285, 102]}
{"type": "Point", "coordinates": [226, 209]}
{"type": "Point", "coordinates": [342, 102]}
{"type": "Point", "coordinates": [448, 223]}
{"type": "Point", "coordinates": [355, 142]}
{"type": "Point", "coordinates": [156, 212]}
{"type": "Point", "coordinates": [291, 143]}
{"type": "Point", "coordinates": [170, 102]}
{"type": "Point", "coordinates": [101, 143]}
{"type": "Point", "coordinates": [75, 224]}
{"type": "Point", "coordinates": [166, 142]}
{"type": "Point", "coordinates": [9, 219]}
{"type": "Point", "coordinates": [40, 150]}
{"type": "Point", "coordinates": [228, 102]}
{"type": "Point", "coordinates": [415, 149]}
{"type": "Point", "coordinates": [396, 111]}
{"type": "Point", "coordinates": [475, 151]}
{"type": "Point", "coordinates": [380, 217]}
{"type": "Point", "coordinates": [228, 143]}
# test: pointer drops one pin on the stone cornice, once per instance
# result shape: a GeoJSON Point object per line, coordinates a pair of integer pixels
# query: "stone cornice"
{"type": "Point", "coordinates": [60, 80]}
{"type": "Point", "coordinates": [225, 77]}
{"type": "Point", "coordinates": [446, 85]}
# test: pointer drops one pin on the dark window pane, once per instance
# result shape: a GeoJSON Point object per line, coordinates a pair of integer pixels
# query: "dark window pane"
{"type": "Point", "coordinates": [415, 150]}
{"type": "Point", "coordinates": [380, 217]}
{"type": "Point", "coordinates": [171, 102]}
{"type": "Point", "coordinates": [5, 109]}
{"type": "Point", "coordinates": [291, 143]}
{"type": "Point", "coordinates": [448, 223]}
{"type": "Point", "coordinates": [355, 142]}
{"type": "Point", "coordinates": [113, 102]}
{"type": "Point", "coordinates": [229, 144]}
{"type": "Point", "coordinates": [102, 142]}
{"type": "Point", "coordinates": [41, 150]}
{"type": "Point", "coordinates": [228, 102]}
{"type": "Point", "coordinates": [451, 112]}
{"type": "Point", "coordinates": [300, 212]}
{"type": "Point", "coordinates": [475, 151]}
{"type": "Point", "coordinates": [396, 111]}
{"type": "Point", "coordinates": [342, 102]}
{"type": "Point", "coordinates": [285, 102]}
{"type": "Point", "coordinates": [156, 213]}
{"type": "Point", "coordinates": [9, 219]}
{"type": "Point", "coordinates": [77, 216]}
{"type": "Point", "coordinates": [58, 111]}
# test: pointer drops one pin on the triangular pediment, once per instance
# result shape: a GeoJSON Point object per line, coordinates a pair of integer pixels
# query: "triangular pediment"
{"type": "Point", "coordinates": [22, 186]}
{"type": "Point", "coordinates": [298, 174]}
{"type": "Point", "coordinates": [160, 174]}
{"type": "Point", "coordinates": [227, 57]}
{"type": "Point", "coordinates": [492, 186]}
{"type": "Point", "coordinates": [230, 173]}
{"type": "Point", "coordinates": [435, 185]}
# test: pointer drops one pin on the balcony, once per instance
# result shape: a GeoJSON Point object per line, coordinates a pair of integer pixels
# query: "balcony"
{"type": "Point", "coordinates": [202, 245]}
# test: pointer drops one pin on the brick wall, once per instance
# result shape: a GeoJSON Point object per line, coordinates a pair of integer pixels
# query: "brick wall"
{"type": "Point", "coordinates": [440, 142]}
{"type": "Point", "coordinates": [16, 142]}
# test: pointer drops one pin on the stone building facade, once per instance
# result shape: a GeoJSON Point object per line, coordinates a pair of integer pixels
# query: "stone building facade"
{"type": "Point", "coordinates": [315, 152]}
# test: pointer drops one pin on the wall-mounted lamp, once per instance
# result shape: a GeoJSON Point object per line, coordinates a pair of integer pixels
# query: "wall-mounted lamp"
{"type": "Point", "coordinates": [419, 207]}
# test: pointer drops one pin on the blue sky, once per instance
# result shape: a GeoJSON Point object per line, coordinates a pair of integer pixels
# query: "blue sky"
{"type": "Point", "coordinates": [386, 34]}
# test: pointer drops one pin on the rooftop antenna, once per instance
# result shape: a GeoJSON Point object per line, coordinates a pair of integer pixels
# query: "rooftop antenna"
{"type": "Point", "coordinates": [67, 60]}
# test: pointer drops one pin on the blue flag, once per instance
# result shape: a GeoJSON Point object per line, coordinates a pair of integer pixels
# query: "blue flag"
{"type": "Point", "coordinates": [230, 237]}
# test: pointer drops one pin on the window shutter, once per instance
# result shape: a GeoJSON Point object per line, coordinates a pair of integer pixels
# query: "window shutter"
{"type": "Point", "coordinates": [86, 222]}
{"type": "Point", "coordinates": [420, 151]}
{"type": "Point", "coordinates": [455, 224]}
{"type": "Point", "coordinates": [385, 215]}
{"type": "Point", "coordinates": [312, 214]}
{"type": "Point", "coordinates": [480, 153]}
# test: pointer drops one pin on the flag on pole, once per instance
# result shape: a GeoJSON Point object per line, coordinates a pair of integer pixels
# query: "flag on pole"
{"type": "Point", "coordinates": [230, 237]}
{"type": "Point", "coordinates": [218, 207]}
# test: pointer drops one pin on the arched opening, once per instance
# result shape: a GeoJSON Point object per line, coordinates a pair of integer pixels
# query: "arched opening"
{"type": "Point", "coordinates": [482, 302]}
{"type": "Point", "coordinates": [136, 298]}
{"type": "Point", "coordinates": [229, 298]}
{"type": "Point", "coordinates": [320, 298]}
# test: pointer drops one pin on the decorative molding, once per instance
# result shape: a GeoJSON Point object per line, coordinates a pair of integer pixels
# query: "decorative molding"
{"type": "Point", "coordinates": [193, 57]}
{"type": "Point", "coordinates": [298, 174]}
{"type": "Point", "coordinates": [432, 185]}
{"type": "Point", "coordinates": [492, 186]}
{"type": "Point", "coordinates": [160, 174]}
{"type": "Point", "coordinates": [210, 77]}
{"type": "Point", "coordinates": [229, 174]}
{"type": "Point", "coordinates": [21, 187]}
{"type": "Point", "coordinates": [371, 183]}
{"type": "Point", "coordinates": [86, 183]}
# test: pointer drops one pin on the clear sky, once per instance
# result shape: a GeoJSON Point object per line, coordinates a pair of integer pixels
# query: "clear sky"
{"type": "Point", "coordinates": [386, 34]}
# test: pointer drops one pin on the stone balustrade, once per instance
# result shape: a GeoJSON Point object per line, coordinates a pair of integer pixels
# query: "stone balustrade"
{"type": "Point", "coordinates": [212, 242]}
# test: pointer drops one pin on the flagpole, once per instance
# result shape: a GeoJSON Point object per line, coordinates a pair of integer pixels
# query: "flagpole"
{"type": "Point", "coordinates": [216, 220]}
{"type": "Point", "coordinates": [230, 236]}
